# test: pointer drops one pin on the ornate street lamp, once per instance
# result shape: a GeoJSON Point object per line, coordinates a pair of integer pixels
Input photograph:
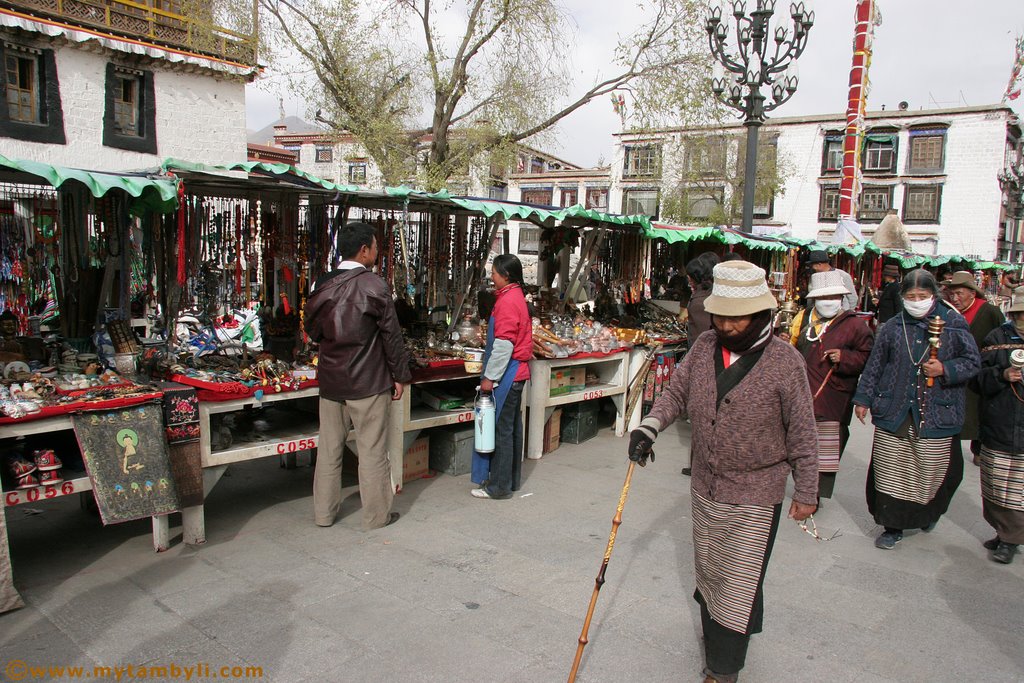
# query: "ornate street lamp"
{"type": "Point", "coordinates": [1011, 182]}
{"type": "Point", "coordinates": [757, 60]}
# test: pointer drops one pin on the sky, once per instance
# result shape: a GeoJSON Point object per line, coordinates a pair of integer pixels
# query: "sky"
{"type": "Point", "coordinates": [929, 53]}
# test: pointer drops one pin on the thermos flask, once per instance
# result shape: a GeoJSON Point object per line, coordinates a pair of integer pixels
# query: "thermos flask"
{"type": "Point", "coordinates": [483, 418]}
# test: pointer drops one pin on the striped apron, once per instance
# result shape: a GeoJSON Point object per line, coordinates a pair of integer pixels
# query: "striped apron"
{"type": "Point", "coordinates": [730, 543]}
{"type": "Point", "coordinates": [910, 469]}
{"type": "Point", "coordinates": [1002, 478]}
{"type": "Point", "coordinates": [829, 446]}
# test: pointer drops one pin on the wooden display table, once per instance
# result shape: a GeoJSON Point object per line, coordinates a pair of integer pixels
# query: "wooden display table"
{"type": "Point", "coordinates": [613, 371]}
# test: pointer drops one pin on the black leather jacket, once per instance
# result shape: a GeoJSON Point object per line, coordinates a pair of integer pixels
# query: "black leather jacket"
{"type": "Point", "coordinates": [352, 317]}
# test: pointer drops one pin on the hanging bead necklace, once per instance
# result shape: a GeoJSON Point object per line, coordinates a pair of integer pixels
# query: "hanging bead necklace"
{"type": "Point", "coordinates": [906, 338]}
{"type": "Point", "coordinates": [811, 337]}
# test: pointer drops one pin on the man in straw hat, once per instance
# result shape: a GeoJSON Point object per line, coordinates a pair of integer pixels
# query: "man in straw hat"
{"type": "Point", "coordinates": [835, 345]}
{"type": "Point", "coordinates": [738, 381]}
{"type": "Point", "coordinates": [1002, 432]}
{"type": "Point", "coordinates": [969, 299]}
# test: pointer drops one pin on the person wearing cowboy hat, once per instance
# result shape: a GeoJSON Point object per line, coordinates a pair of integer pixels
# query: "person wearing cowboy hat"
{"type": "Point", "coordinates": [1002, 439]}
{"type": "Point", "coordinates": [835, 345]}
{"type": "Point", "coordinates": [746, 394]}
{"type": "Point", "coordinates": [890, 303]}
{"type": "Point", "coordinates": [982, 317]}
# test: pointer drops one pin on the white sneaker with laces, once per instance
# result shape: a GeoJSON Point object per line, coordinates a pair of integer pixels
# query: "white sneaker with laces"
{"type": "Point", "coordinates": [480, 493]}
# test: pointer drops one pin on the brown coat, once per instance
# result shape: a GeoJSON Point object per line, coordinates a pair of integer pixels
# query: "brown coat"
{"type": "Point", "coordinates": [764, 429]}
{"type": "Point", "coordinates": [352, 317]}
{"type": "Point", "coordinates": [854, 339]}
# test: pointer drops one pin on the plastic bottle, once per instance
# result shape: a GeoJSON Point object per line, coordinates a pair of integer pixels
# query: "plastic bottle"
{"type": "Point", "coordinates": [483, 418]}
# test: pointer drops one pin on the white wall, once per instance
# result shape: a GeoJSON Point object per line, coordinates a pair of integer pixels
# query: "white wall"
{"type": "Point", "coordinates": [199, 116]}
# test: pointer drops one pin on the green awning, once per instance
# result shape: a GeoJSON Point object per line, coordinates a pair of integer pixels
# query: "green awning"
{"type": "Point", "coordinates": [249, 166]}
{"type": "Point", "coordinates": [678, 234]}
{"type": "Point", "coordinates": [157, 194]}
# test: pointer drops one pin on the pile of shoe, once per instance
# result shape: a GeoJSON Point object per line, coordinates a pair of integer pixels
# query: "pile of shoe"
{"type": "Point", "coordinates": [16, 402]}
{"type": "Point", "coordinates": [42, 470]}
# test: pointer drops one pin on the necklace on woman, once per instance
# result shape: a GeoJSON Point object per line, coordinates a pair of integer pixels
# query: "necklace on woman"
{"type": "Point", "coordinates": [910, 353]}
{"type": "Point", "coordinates": [811, 337]}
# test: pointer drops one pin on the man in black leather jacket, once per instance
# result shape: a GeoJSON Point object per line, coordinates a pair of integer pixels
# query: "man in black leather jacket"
{"type": "Point", "coordinates": [362, 368]}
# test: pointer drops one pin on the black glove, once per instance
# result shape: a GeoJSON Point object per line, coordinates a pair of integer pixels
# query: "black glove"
{"type": "Point", "coordinates": [641, 443]}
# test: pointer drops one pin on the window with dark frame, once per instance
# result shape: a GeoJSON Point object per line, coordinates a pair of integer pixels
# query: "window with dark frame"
{"type": "Point", "coordinates": [529, 239]}
{"type": "Point", "coordinates": [537, 196]}
{"type": "Point", "coordinates": [129, 116]}
{"type": "Point", "coordinates": [879, 153]}
{"type": "Point", "coordinates": [127, 87]}
{"type": "Point", "coordinates": [33, 109]}
{"type": "Point", "coordinates": [569, 197]}
{"type": "Point", "coordinates": [640, 203]}
{"type": "Point", "coordinates": [832, 154]}
{"type": "Point", "coordinates": [927, 150]}
{"type": "Point", "coordinates": [921, 203]}
{"type": "Point", "coordinates": [703, 202]}
{"type": "Point", "coordinates": [875, 202]}
{"type": "Point", "coordinates": [597, 198]}
{"type": "Point", "coordinates": [324, 154]}
{"type": "Point", "coordinates": [642, 161]}
{"type": "Point", "coordinates": [22, 81]}
{"type": "Point", "coordinates": [828, 205]}
{"type": "Point", "coordinates": [357, 172]}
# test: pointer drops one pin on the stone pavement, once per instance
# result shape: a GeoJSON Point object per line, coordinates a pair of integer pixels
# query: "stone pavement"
{"type": "Point", "coordinates": [472, 590]}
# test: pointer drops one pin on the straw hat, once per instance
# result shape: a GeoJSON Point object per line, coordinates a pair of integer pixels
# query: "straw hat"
{"type": "Point", "coordinates": [963, 278]}
{"type": "Point", "coordinates": [827, 283]}
{"type": "Point", "coordinates": [740, 288]}
{"type": "Point", "coordinates": [1017, 301]}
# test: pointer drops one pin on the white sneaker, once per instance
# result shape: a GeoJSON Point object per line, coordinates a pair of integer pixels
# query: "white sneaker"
{"type": "Point", "coordinates": [480, 493]}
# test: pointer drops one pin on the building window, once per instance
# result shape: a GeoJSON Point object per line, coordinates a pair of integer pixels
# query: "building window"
{"type": "Point", "coordinates": [927, 150]}
{"type": "Point", "coordinates": [704, 202]}
{"type": "Point", "coordinates": [126, 102]}
{"type": "Point", "coordinates": [540, 197]}
{"type": "Point", "coordinates": [832, 154]}
{"type": "Point", "coordinates": [642, 161]}
{"type": "Point", "coordinates": [129, 118]}
{"type": "Point", "coordinates": [828, 205]}
{"type": "Point", "coordinates": [706, 156]}
{"type": "Point", "coordinates": [536, 165]}
{"type": "Point", "coordinates": [597, 198]}
{"type": "Point", "coordinates": [324, 154]}
{"type": "Point", "coordinates": [357, 172]}
{"type": "Point", "coordinates": [875, 202]}
{"type": "Point", "coordinates": [497, 192]}
{"type": "Point", "coordinates": [640, 203]}
{"type": "Point", "coordinates": [569, 197]}
{"type": "Point", "coordinates": [22, 71]}
{"type": "Point", "coordinates": [921, 203]}
{"type": "Point", "coordinates": [33, 112]}
{"type": "Point", "coordinates": [880, 153]}
{"type": "Point", "coordinates": [529, 239]}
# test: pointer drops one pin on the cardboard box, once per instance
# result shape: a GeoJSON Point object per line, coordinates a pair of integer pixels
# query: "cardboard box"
{"type": "Point", "coordinates": [416, 463]}
{"type": "Point", "coordinates": [553, 431]}
{"type": "Point", "coordinates": [559, 383]}
{"type": "Point", "coordinates": [578, 378]}
{"type": "Point", "coordinates": [440, 400]}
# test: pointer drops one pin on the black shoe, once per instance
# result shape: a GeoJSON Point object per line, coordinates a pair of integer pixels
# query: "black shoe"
{"type": "Point", "coordinates": [888, 540]}
{"type": "Point", "coordinates": [686, 471]}
{"type": "Point", "coordinates": [392, 518]}
{"type": "Point", "coordinates": [1004, 552]}
{"type": "Point", "coordinates": [992, 543]}
{"type": "Point", "coordinates": [928, 527]}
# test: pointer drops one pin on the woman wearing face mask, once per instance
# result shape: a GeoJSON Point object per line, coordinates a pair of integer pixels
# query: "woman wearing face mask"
{"type": "Point", "coordinates": [916, 461]}
{"type": "Point", "coordinates": [835, 345]}
{"type": "Point", "coordinates": [1002, 433]}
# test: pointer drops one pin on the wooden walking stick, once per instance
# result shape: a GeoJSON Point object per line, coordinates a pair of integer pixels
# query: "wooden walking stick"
{"type": "Point", "coordinates": [616, 521]}
{"type": "Point", "coordinates": [935, 326]}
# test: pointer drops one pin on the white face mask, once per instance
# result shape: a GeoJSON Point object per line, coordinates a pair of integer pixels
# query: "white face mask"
{"type": "Point", "coordinates": [918, 309]}
{"type": "Point", "coordinates": [828, 308]}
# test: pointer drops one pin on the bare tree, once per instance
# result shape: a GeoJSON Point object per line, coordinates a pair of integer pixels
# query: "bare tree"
{"type": "Point", "coordinates": [433, 86]}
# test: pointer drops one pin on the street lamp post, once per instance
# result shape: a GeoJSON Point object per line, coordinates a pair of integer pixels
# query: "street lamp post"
{"type": "Point", "coordinates": [754, 65]}
{"type": "Point", "coordinates": [1011, 182]}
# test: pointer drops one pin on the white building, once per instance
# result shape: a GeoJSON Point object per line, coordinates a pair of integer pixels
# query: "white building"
{"type": "Point", "coordinates": [937, 168]}
{"type": "Point", "coordinates": [119, 85]}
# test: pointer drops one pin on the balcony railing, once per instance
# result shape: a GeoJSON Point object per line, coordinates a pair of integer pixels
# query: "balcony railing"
{"type": "Point", "coordinates": [146, 20]}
